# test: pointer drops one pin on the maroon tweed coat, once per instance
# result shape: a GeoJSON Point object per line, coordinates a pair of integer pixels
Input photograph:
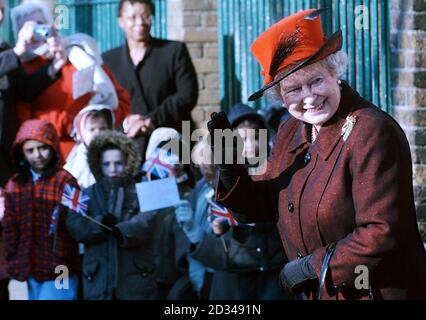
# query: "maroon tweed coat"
{"type": "Point", "coordinates": [355, 193]}
{"type": "Point", "coordinates": [28, 215]}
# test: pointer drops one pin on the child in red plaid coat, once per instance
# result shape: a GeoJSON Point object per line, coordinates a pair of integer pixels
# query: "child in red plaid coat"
{"type": "Point", "coordinates": [39, 249]}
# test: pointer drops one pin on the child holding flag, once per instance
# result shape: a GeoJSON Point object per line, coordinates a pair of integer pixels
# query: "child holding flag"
{"type": "Point", "coordinates": [36, 239]}
{"type": "Point", "coordinates": [118, 262]}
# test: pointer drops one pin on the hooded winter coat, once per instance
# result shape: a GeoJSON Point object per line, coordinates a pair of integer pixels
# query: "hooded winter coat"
{"type": "Point", "coordinates": [31, 247]}
{"type": "Point", "coordinates": [112, 268]}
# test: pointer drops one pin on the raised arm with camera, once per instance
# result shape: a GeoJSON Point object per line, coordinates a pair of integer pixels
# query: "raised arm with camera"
{"type": "Point", "coordinates": [30, 86]}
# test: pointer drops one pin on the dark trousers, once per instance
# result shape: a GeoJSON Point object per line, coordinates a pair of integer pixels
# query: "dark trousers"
{"type": "Point", "coordinates": [207, 285]}
{"type": "Point", "coordinates": [163, 290]}
{"type": "Point", "coordinates": [4, 291]}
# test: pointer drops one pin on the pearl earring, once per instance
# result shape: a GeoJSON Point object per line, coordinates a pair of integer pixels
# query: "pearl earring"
{"type": "Point", "coordinates": [339, 82]}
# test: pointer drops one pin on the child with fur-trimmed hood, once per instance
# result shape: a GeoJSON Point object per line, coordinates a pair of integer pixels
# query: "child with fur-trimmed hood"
{"type": "Point", "coordinates": [35, 234]}
{"type": "Point", "coordinates": [118, 262]}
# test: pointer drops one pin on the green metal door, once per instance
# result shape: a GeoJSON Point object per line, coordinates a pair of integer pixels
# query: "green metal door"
{"type": "Point", "coordinates": [366, 36]}
{"type": "Point", "coordinates": [97, 18]}
{"type": "Point", "coordinates": [6, 28]}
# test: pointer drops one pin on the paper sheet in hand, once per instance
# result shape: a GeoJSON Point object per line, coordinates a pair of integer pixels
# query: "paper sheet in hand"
{"type": "Point", "coordinates": [82, 82]}
{"type": "Point", "coordinates": [157, 194]}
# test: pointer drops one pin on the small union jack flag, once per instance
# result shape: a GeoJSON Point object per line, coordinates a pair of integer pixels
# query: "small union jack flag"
{"type": "Point", "coordinates": [54, 221]}
{"type": "Point", "coordinates": [75, 200]}
{"type": "Point", "coordinates": [221, 212]}
{"type": "Point", "coordinates": [160, 163]}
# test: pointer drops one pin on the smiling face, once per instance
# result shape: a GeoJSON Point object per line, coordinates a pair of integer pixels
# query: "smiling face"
{"type": "Point", "coordinates": [311, 94]}
{"type": "Point", "coordinates": [135, 20]}
{"type": "Point", "coordinates": [38, 154]}
{"type": "Point", "coordinates": [113, 163]}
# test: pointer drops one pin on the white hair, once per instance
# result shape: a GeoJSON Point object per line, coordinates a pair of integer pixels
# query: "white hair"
{"type": "Point", "coordinates": [336, 63]}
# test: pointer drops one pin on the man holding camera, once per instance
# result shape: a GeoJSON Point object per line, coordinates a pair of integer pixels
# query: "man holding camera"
{"type": "Point", "coordinates": [15, 83]}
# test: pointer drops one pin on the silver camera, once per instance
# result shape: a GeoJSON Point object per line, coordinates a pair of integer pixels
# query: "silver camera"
{"type": "Point", "coordinates": [42, 32]}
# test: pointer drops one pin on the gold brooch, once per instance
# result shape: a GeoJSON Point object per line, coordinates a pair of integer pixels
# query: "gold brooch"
{"type": "Point", "coordinates": [348, 126]}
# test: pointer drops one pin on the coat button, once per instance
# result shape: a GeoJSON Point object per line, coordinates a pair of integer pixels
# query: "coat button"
{"type": "Point", "coordinates": [291, 207]}
{"type": "Point", "coordinates": [261, 269]}
{"type": "Point", "coordinates": [258, 249]}
{"type": "Point", "coordinates": [307, 157]}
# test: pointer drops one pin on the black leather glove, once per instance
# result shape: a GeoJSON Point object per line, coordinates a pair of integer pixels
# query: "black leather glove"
{"type": "Point", "coordinates": [229, 172]}
{"type": "Point", "coordinates": [298, 275]}
{"type": "Point", "coordinates": [218, 121]}
{"type": "Point", "coordinates": [109, 220]}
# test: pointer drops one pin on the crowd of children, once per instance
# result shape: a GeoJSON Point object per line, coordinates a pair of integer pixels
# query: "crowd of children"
{"type": "Point", "coordinates": [192, 251]}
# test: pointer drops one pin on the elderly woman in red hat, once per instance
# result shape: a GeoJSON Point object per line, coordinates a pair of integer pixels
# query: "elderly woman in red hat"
{"type": "Point", "coordinates": [339, 182]}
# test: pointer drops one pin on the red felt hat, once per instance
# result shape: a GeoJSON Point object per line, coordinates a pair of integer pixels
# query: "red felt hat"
{"type": "Point", "coordinates": [292, 43]}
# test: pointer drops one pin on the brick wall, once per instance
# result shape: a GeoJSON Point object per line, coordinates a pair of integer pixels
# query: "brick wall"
{"type": "Point", "coordinates": [408, 47]}
{"type": "Point", "coordinates": [195, 23]}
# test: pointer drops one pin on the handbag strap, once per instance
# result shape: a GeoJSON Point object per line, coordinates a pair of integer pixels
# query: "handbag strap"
{"type": "Point", "coordinates": [324, 269]}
